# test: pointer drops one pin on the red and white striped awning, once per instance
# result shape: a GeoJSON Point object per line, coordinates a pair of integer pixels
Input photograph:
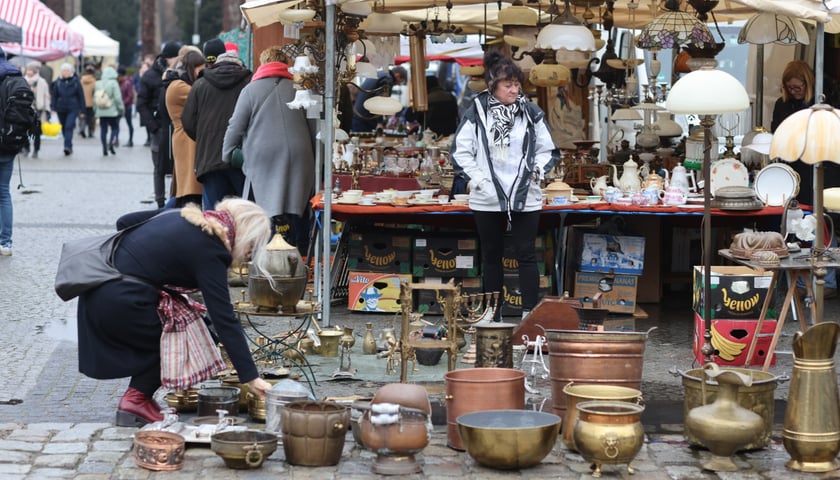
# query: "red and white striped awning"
{"type": "Point", "coordinates": [45, 35]}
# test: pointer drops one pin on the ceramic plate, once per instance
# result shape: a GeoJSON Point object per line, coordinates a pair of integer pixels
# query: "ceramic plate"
{"type": "Point", "coordinates": [729, 172]}
{"type": "Point", "coordinates": [775, 183]}
{"type": "Point", "coordinates": [347, 202]}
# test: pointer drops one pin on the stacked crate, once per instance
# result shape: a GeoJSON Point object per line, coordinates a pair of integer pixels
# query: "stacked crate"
{"type": "Point", "coordinates": [440, 257]}
{"type": "Point", "coordinates": [378, 260]}
{"type": "Point", "coordinates": [737, 296]}
{"type": "Point", "coordinates": [511, 292]}
{"type": "Point", "coordinates": [609, 271]}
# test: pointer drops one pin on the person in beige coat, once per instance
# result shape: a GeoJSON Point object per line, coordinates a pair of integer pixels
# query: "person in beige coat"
{"type": "Point", "coordinates": [88, 84]}
{"type": "Point", "coordinates": [41, 88]}
{"type": "Point", "coordinates": [187, 186]}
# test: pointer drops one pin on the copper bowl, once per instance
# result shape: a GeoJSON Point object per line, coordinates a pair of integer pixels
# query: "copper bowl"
{"type": "Point", "coordinates": [159, 450]}
{"type": "Point", "coordinates": [509, 439]}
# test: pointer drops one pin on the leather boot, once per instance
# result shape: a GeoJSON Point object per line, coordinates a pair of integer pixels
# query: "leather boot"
{"type": "Point", "coordinates": [136, 409]}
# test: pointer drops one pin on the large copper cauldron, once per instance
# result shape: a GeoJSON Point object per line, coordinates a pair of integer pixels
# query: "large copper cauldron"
{"type": "Point", "coordinates": [478, 389]}
{"type": "Point", "coordinates": [592, 357]}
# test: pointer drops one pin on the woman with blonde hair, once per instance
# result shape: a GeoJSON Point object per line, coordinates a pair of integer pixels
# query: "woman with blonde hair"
{"type": "Point", "coordinates": [797, 91]}
{"type": "Point", "coordinates": [119, 323]}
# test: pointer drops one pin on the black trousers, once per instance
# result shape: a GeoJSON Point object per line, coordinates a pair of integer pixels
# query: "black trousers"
{"type": "Point", "coordinates": [522, 227]}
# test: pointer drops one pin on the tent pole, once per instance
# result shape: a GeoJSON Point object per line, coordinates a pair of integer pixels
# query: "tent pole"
{"type": "Point", "coordinates": [328, 134]}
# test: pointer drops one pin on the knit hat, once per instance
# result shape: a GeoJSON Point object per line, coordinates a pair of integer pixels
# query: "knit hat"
{"type": "Point", "coordinates": [231, 47]}
{"type": "Point", "coordinates": [230, 57]}
{"type": "Point", "coordinates": [170, 49]}
{"type": "Point", "coordinates": [121, 70]}
{"type": "Point", "coordinates": [212, 49]}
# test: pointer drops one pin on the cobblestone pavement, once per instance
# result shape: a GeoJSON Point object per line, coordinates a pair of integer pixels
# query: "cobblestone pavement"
{"type": "Point", "coordinates": [56, 423]}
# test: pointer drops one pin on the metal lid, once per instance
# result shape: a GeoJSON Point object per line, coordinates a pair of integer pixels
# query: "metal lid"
{"type": "Point", "coordinates": [735, 192]}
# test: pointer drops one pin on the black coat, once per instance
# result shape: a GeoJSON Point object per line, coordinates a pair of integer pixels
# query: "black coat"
{"type": "Point", "coordinates": [66, 95]}
{"type": "Point", "coordinates": [208, 108]}
{"type": "Point", "coordinates": [118, 324]}
{"type": "Point", "coordinates": [148, 95]}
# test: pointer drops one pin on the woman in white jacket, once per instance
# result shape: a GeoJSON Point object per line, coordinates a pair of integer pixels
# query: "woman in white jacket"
{"type": "Point", "coordinates": [503, 146]}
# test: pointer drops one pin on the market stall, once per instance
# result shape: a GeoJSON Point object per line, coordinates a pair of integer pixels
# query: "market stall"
{"type": "Point", "coordinates": [45, 35]}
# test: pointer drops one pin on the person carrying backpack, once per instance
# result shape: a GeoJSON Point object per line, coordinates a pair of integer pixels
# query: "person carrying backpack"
{"type": "Point", "coordinates": [108, 108]}
{"type": "Point", "coordinates": [17, 122]}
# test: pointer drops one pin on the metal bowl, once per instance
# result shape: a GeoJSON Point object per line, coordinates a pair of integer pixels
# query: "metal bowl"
{"type": "Point", "coordinates": [508, 439]}
{"type": "Point", "coordinates": [286, 293]}
{"type": "Point", "coordinates": [243, 449]}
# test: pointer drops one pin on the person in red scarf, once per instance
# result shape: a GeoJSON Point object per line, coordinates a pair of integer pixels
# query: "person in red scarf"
{"type": "Point", "coordinates": [119, 324]}
{"type": "Point", "coordinates": [277, 143]}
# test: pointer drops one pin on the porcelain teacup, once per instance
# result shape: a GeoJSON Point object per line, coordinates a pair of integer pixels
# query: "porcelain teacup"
{"type": "Point", "coordinates": [612, 194]}
{"type": "Point", "coordinates": [673, 196]}
{"type": "Point", "coordinates": [652, 195]}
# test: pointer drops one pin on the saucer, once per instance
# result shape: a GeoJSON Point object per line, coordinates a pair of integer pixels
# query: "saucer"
{"type": "Point", "coordinates": [344, 201]}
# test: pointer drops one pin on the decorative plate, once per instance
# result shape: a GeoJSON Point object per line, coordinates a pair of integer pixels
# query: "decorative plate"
{"type": "Point", "coordinates": [729, 172]}
{"type": "Point", "coordinates": [775, 183]}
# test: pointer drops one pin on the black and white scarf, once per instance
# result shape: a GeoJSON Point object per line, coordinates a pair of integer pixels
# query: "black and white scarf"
{"type": "Point", "coordinates": [503, 119]}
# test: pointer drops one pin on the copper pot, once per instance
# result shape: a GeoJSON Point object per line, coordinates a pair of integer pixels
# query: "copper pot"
{"type": "Point", "coordinates": [478, 389]}
{"type": "Point", "coordinates": [158, 450]}
{"type": "Point", "coordinates": [609, 433]}
{"type": "Point", "coordinates": [314, 432]}
{"type": "Point", "coordinates": [243, 449]}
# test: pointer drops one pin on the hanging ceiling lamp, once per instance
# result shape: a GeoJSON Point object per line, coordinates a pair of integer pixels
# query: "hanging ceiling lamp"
{"type": "Point", "coordinates": [670, 30]}
{"type": "Point", "coordinates": [565, 32]}
{"type": "Point", "coordinates": [296, 16]}
{"type": "Point", "coordinates": [381, 23]}
{"type": "Point", "coordinates": [517, 14]}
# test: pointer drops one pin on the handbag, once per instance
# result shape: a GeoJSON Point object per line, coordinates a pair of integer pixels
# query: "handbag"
{"type": "Point", "coordinates": [188, 354]}
{"type": "Point", "coordinates": [87, 263]}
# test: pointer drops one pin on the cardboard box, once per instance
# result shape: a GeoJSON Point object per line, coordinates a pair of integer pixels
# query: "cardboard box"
{"type": "Point", "coordinates": [510, 265]}
{"type": "Point", "coordinates": [512, 294]}
{"type": "Point", "coordinates": [445, 256]}
{"type": "Point", "coordinates": [737, 292]}
{"type": "Point", "coordinates": [426, 301]}
{"type": "Point", "coordinates": [731, 341]}
{"type": "Point", "coordinates": [375, 292]}
{"type": "Point", "coordinates": [380, 251]}
{"type": "Point", "coordinates": [625, 323]}
{"type": "Point", "coordinates": [612, 253]}
{"type": "Point", "coordinates": [618, 292]}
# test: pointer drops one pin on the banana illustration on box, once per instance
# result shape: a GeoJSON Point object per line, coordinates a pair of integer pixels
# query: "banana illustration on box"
{"type": "Point", "coordinates": [727, 349]}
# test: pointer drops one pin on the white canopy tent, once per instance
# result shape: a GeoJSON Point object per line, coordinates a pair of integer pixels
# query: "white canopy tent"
{"type": "Point", "coordinates": [97, 44]}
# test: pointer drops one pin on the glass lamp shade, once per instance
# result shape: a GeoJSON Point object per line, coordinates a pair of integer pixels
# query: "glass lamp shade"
{"type": "Point", "coordinates": [517, 14]}
{"type": "Point", "coordinates": [568, 37]}
{"type": "Point", "coordinates": [303, 99]}
{"type": "Point", "coordinates": [667, 127]}
{"type": "Point", "coordinates": [759, 143]}
{"type": "Point", "coordinates": [383, 24]}
{"type": "Point", "coordinates": [359, 9]}
{"type": "Point", "coordinates": [292, 16]}
{"type": "Point", "coordinates": [763, 28]}
{"type": "Point", "coordinates": [811, 135]}
{"type": "Point", "coordinates": [627, 114]}
{"type": "Point", "coordinates": [549, 75]}
{"type": "Point", "coordinates": [303, 66]}
{"type": "Point", "coordinates": [694, 149]}
{"type": "Point", "coordinates": [383, 105]}
{"type": "Point", "coordinates": [673, 29]}
{"type": "Point", "coordinates": [707, 92]}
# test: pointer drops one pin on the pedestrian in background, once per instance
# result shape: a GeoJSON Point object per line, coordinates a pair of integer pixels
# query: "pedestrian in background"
{"type": "Point", "coordinates": [127, 93]}
{"type": "Point", "coordinates": [504, 147]}
{"type": "Point", "coordinates": [279, 168]}
{"type": "Point", "coordinates": [40, 87]}
{"type": "Point", "coordinates": [108, 112]}
{"type": "Point", "coordinates": [187, 186]}
{"type": "Point", "coordinates": [88, 84]}
{"type": "Point", "coordinates": [205, 118]}
{"type": "Point", "coordinates": [148, 105]}
{"type": "Point", "coordinates": [7, 163]}
{"type": "Point", "coordinates": [148, 60]}
{"type": "Point", "coordinates": [68, 102]}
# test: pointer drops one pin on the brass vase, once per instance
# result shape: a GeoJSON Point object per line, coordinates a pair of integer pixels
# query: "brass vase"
{"type": "Point", "coordinates": [369, 344]}
{"type": "Point", "coordinates": [724, 426]}
{"type": "Point", "coordinates": [811, 430]}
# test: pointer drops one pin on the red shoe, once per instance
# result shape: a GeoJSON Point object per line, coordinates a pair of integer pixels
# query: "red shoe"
{"type": "Point", "coordinates": [136, 409]}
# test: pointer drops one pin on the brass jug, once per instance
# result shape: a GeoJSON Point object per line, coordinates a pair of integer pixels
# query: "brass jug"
{"type": "Point", "coordinates": [724, 426]}
{"type": "Point", "coordinates": [369, 344]}
{"type": "Point", "coordinates": [811, 430]}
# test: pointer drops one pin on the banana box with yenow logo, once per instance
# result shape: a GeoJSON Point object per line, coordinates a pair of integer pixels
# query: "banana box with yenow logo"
{"type": "Point", "coordinates": [375, 292]}
{"type": "Point", "coordinates": [440, 255]}
{"type": "Point", "coordinates": [731, 341]}
{"type": "Point", "coordinates": [736, 292]}
{"type": "Point", "coordinates": [380, 250]}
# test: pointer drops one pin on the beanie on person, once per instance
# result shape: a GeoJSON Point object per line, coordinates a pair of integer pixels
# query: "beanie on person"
{"type": "Point", "coordinates": [212, 49]}
{"type": "Point", "coordinates": [170, 49]}
{"type": "Point", "coordinates": [231, 47]}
